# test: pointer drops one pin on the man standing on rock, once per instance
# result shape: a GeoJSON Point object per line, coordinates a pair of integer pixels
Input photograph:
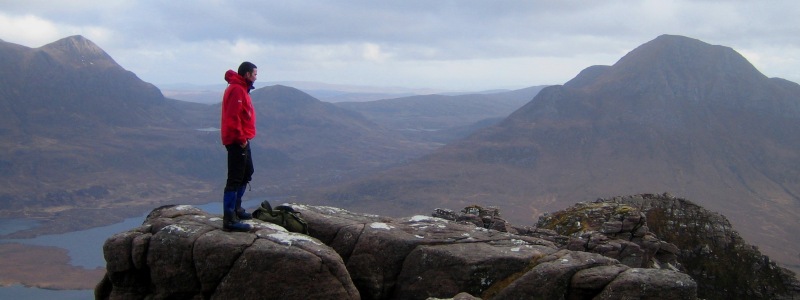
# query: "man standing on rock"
{"type": "Point", "coordinates": [238, 127]}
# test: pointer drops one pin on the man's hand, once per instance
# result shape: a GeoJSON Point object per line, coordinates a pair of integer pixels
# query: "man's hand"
{"type": "Point", "coordinates": [244, 145]}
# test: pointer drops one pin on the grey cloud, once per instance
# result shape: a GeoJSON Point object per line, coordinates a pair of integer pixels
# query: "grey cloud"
{"type": "Point", "coordinates": [331, 36]}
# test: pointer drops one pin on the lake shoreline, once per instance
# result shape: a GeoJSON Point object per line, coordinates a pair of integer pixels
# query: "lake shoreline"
{"type": "Point", "coordinates": [65, 261]}
{"type": "Point", "coordinates": [44, 267]}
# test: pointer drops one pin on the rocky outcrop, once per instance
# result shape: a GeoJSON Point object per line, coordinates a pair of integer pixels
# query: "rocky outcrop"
{"type": "Point", "coordinates": [486, 217]}
{"type": "Point", "coordinates": [664, 232]}
{"type": "Point", "coordinates": [420, 257]}
{"type": "Point", "coordinates": [613, 230]}
{"type": "Point", "coordinates": [180, 252]}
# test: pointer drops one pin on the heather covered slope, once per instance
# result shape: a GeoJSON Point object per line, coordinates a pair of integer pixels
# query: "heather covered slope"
{"type": "Point", "coordinates": [675, 114]}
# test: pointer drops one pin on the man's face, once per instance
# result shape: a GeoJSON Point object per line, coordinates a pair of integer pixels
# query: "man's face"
{"type": "Point", "coordinates": [252, 75]}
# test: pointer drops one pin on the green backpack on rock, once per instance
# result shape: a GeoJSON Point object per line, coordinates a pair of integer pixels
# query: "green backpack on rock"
{"type": "Point", "coordinates": [283, 215]}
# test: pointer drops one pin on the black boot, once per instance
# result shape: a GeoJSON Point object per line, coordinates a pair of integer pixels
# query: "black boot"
{"type": "Point", "coordinates": [230, 222]}
{"type": "Point", "coordinates": [240, 212]}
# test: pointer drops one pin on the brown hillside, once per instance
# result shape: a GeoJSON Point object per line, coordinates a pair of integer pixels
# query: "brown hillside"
{"type": "Point", "coordinates": [674, 115]}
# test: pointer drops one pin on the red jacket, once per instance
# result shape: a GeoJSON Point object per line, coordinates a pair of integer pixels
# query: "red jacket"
{"type": "Point", "coordinates": [238, 116]}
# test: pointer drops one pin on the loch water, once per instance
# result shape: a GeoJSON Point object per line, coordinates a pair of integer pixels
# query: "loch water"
{"type": "Point", "coordinates": [84, 247]}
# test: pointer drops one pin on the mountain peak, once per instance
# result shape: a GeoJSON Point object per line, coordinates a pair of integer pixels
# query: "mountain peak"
{"type": "Point", "coordinates": [284, 93]}
{"type": "Point", "coordinates": [676, 62]}
{"type": "Point", "coordinates": [669, 49]}
{"type": "Point", "coordinates": [79, 51]}
{"type": "Point", "coordinates": [681, 72]}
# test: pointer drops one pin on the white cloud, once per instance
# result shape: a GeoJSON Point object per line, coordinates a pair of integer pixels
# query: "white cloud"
{"type": "Point", "coordinates": [33, 31]}
{"type": "Point", "coordinates": [28, 30]}
{"type": "Point", "coordinates": [372, 52]}
{"type": "Point", "coordinates": [245, 48]}
{"type": "Point", "coordinates": [775, 62]}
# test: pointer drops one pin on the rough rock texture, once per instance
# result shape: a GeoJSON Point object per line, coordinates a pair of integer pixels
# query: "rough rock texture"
{"type": "Point", "coordinates": [181, 253]}
{"type": "Point", "coordinates": [486, 217]}
{"type": "Point", "coordinates": [661, 231]}
{"type": "Point", "coordinates": [581, 275]}
{"type": "Point", "coordinates": [614, 230]}
{"type": "Point", "coordinates": [421, 257]}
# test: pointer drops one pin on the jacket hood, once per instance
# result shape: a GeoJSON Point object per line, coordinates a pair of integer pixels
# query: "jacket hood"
{"type": "Point", "coordinates": [234, 78]}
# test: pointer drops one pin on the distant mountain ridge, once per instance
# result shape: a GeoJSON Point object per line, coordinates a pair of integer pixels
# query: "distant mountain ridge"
{"type": "Point", "coordinates": [79, 52]}
{"type": "Point", "coordinates": [442, 118]}
{"type": "Point", "coordinates": [322, 138]}
{"type": "Point", "coordinates": [688, 70]}
{"type": "Point", "coordinates": [211, 93]}
{"type": "Point", "coordinates": [674, 115]}
{"type": "Point", "coordinates": [43, 89]}
{"type": "Point", "coordinates": [87, 142]}
{"type": "Point", "coordinates": [79, 133]}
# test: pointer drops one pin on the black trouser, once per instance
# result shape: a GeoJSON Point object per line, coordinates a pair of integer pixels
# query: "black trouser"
{"type": "Point", "coordinates": [240, 167]}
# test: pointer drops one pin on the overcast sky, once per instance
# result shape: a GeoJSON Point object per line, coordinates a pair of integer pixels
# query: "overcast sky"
{"type": "Point", "coordinates": [453, 45]}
